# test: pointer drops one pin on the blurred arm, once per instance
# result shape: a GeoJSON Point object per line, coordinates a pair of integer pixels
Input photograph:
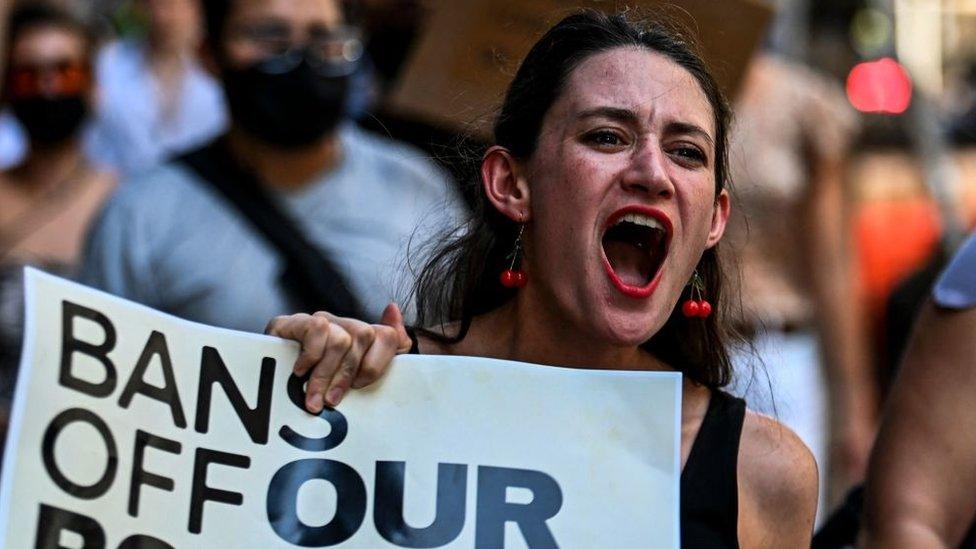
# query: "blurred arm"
{"type": "Point", "coordinates": [923, 469]}
{"type": "Point", "coordinates": [839, 318]}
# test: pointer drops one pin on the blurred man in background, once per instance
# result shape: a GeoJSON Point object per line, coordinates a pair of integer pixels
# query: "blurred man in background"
{"type": "Point", "coordinates": [291, 210]}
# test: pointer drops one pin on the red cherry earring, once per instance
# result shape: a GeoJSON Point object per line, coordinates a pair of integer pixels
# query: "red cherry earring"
{"type": "Point", "coordinates": [512, 277]}
{"type": "Point", "coordinates": [696, 306]}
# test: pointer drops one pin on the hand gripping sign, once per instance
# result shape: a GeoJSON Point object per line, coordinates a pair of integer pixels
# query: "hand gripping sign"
{"type": "Point", "coordinates": [132, 428]}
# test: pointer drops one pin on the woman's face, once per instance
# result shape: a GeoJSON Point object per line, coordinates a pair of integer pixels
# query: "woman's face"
{"type": "Point", "coordinates": [622, 194]}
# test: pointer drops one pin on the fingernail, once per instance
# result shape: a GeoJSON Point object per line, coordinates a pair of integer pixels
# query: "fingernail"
{"type": "Point", "coordinates": [315, 403]}
{"type": "Point", "coordinates": [334, 396]}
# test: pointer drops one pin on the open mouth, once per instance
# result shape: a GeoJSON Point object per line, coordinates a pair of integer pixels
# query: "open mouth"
{"type": "Point", "coordinates": [635, 244]}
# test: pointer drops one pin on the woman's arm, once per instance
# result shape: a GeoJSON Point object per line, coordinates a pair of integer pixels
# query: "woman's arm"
{"type": "Point", "coordinates": [341, 353]}
{"type": "Point", "coordinates": [777, 486]}
{"type": "Point", "coordinates": [921, 489]}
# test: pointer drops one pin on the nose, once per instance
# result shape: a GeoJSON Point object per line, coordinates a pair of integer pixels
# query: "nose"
{"type": "Point", "coordinates": [648, 172]}
{"type": "Point", "coordinates": [49, 83]}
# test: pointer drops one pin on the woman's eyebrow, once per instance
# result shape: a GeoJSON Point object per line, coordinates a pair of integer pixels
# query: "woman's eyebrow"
{"type": "Point", "coordinates": [626, 115]}
{"type": "Point", "coordinates": [688, 128]}
{"type": "Point", "coordinates": [613, 113]}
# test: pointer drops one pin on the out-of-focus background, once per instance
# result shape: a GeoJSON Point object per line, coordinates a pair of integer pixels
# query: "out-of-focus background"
{"type": "Point", "coordinates": [856, 123]}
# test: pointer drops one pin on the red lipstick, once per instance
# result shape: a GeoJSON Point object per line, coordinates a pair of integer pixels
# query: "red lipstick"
{"type": "Point", "coordinates": [638, 292]}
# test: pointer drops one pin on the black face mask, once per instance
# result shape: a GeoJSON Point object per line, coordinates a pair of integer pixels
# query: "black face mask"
{"type": "Point", "coordinates": [290, 109]}
{"type": "Point", "coordinates": [51, 120]}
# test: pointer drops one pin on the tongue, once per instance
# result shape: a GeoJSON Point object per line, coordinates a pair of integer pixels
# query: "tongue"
{"type": "Point", "coordinates": [631, 264]}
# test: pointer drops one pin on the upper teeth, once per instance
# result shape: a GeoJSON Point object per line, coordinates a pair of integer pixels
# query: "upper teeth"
{"type": "Point", "coordinates": [641, 219]}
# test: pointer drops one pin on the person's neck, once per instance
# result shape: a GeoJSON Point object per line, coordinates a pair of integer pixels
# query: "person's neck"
{"type": "Point", "coordinates": [280, 168]}
{"type": "Point", "coordinates": [161, 49]}
{"type": "Point", "coordinates": [46, 166]}
{"type": "Point", "coordinates": [524, 331]}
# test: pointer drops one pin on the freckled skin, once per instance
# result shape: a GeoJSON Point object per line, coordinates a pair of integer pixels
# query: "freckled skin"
{"type": "Point", "coordinates": [575, 184]}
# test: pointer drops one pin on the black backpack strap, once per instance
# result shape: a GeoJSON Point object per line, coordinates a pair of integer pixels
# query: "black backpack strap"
{"type": "Point", "coordinates": [309, 277]}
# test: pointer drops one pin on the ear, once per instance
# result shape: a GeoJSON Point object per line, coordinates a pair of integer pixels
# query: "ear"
{"type": "Point", "coordinates": [720, 217]}
{"type": "Point", "coordinates": [504, 184]}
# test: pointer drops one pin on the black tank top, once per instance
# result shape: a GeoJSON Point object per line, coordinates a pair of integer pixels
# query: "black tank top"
{"type": "Point", "coordinates": [709, 481]}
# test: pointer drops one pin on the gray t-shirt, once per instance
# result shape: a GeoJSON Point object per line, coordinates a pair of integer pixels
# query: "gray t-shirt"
{"type": "Point", "coordinates": [170, 241]}
{"type": "Point", "coordinates": [956, 287]}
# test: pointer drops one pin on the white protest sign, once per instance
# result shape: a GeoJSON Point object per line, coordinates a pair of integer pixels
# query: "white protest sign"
{"type": "Point", "coordinates": [132, 428]}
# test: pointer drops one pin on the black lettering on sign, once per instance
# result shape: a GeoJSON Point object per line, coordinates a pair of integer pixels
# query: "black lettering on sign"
{"type": "Point", "coordinates": [337, 422]}
{"type": "Point", "coordinates": [140, 476]}
{"type": "Point", "coordinates": [167, 394]}
{"type": "Point", "coordinates": [201, 492]}
{"type": "Point", "coordinates": [494, 510]}
{"type": "Point", "coordinates": [71, 345]}
{"type": "Point", "coordinates": [139, 541]}
{"type": "Point", "coordinates": [54, 429]}
{"type": "Point", "coordinates": [51, 521]}
{"type": "Point", "coordinates": [255, 421]}
{"type": "Point", "coordinates": [452, 484]}
{"type": "Point", "coordinates": [282, 503]}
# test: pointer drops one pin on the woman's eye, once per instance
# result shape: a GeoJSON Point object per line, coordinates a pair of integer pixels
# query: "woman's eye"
{"type": "Point", "coordinates": [604, 138]}
{"type": "Point", "coordinates": [690, 154]}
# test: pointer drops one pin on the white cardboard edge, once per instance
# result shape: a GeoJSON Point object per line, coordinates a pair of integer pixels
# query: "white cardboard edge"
{"type": "Point", "coordinates": [679, 391]}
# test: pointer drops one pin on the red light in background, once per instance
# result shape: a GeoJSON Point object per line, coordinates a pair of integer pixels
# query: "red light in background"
{"type": "Point", "coordinates": [881, 86]}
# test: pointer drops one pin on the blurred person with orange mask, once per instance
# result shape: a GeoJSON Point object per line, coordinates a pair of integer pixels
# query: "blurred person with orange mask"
{"type": "Point", "coordinates": [155, 100]}
{"type": "Point", "coordinates": [48, 200]}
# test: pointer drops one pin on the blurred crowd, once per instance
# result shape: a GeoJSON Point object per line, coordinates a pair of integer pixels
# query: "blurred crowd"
{"type": "Point", "coordinates": [189, 155]}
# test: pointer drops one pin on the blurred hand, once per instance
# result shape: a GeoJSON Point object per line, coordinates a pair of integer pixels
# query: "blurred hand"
{"type": "Point", "coordinates": [341, 353]}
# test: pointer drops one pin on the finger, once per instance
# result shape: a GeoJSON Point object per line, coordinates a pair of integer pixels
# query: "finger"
{"type": "Point", "coordinates": [314, 336]}
{"type": "Point", "coordinates": [309, 330]}
{"type": "Point", "coordinates": [378, 358]}
{"type": "Point", "coordinates": [336, 347]}
{"type": "Point", "coordinates": [393, 318]}
{"type": "Point", "coordinates": [270, 326]}
{"type": "Point", "coordinates": [363, 336]}
{"type": "Point", "coordinates": [286, 326]}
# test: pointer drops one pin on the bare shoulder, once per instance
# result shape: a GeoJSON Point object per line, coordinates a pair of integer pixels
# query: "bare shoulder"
{"type": "Point", "coordinates": [777, 483]}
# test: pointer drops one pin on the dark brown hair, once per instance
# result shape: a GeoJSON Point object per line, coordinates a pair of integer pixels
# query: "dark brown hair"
{"type": "Point", "coordinates": [460, 281]}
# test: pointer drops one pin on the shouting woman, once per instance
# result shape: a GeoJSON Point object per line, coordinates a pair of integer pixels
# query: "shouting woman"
{"type": "Point", "coordinates": [604, 198]}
